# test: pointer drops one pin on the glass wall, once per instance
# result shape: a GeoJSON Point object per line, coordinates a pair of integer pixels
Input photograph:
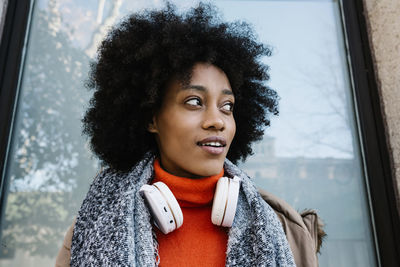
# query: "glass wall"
{"type": "Point", "coordinates": [310, 156]}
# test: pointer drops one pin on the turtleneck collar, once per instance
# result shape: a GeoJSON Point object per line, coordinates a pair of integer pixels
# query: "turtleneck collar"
{"type": "Point", "coordinates": [189, 192]}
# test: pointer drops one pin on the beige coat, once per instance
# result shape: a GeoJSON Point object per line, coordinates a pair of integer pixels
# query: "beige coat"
{"type": "Point", "coordinates": [303, 231]}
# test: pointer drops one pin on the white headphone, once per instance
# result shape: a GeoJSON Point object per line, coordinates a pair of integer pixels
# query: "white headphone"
{"type": "Point", "coordinates": [168, 215]}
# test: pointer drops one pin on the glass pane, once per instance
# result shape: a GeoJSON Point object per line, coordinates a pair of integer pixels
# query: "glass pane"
{"type": "Point", "coordinates": [310, 156]}
{"type": "Point", "coordinates": [49, 167]}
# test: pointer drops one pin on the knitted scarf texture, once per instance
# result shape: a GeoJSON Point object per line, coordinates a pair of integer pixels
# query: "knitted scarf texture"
{"type": "Point", "coordinates": [113, 227]}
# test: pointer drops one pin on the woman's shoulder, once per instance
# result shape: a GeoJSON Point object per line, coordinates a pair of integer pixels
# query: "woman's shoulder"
{"type": "Point", "coordinates": [304, 230]}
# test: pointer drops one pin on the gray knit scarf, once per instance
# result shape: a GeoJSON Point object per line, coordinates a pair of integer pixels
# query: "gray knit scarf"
{"type": "Point", "coordinates": [113, 227]}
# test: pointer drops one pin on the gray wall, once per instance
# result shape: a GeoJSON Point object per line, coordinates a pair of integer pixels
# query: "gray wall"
{"type": "Point", "coordinates": [383, 19]}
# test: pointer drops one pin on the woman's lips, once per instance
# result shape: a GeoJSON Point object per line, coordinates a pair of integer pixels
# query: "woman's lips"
{"type": "Point", "coordinates": [213, 145]}
{"type": "Point", "coordinates": [213, 150]}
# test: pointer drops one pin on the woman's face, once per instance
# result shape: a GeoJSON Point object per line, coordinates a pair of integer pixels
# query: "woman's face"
{"type": "Point", "coordinates": [195, 126]}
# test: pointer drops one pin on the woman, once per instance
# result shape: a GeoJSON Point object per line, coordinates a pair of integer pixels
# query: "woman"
{"type": "Point", "coordinates": [179, 98]}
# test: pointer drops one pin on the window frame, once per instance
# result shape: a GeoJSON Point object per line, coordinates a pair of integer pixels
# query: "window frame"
{"type": "Point", "coordinates": [12, 48]}
{"type": "Point", "coordinates": [380, 178]}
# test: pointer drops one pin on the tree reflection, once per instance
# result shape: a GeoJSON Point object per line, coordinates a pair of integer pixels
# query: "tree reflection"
{"type": "Point", "coordinates": [47, 153]}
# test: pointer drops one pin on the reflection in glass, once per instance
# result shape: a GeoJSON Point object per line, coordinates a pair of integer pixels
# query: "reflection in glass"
{"type": "Point", "coordinates": [309, 157]}
{"type": "Point", "coordinates": [49, 167]}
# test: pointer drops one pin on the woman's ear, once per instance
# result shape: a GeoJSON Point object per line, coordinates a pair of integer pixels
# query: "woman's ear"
{"type": "Point", "coordinates": [152, 126]}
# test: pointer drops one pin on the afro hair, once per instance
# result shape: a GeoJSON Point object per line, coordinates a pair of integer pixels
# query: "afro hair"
{"type": "Point", "coordinates": [144, 52]}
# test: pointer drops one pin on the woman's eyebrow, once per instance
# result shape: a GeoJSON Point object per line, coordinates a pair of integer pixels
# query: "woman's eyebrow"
{"type": "Point", "coordinates": [195, 87]}
{"type": "Point", "coordinates": [227, 92]}
{"type": "Point", "coordinates": [204, 89]}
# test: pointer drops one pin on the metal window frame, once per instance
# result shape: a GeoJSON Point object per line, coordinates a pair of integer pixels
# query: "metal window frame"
{"type": "Point", "coordinates": [12, 47]}
{"type": "Point", "coordinates": [378, 165]}
{"type": "Point", "coordinates": [380, 177]}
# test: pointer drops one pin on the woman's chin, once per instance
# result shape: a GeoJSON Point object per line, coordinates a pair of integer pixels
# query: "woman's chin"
{"type": "Point", "coordinates": [192, 167]}
{"type": "Point", "coordinates": [207, 170]}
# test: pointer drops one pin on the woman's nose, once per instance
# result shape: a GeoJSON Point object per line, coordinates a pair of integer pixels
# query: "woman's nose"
{"type": "Point", "coordinates": [213, 119]}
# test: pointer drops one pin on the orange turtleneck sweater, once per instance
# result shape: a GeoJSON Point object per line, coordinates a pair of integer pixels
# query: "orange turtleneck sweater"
{"type": "Point", "coordinates": [197, 242]}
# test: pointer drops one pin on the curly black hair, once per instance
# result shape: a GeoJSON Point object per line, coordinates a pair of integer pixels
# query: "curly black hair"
{"type": "Point", "coordinates": [144, 52]}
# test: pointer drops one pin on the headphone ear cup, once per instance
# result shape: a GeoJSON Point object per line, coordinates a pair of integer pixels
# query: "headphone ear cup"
{"type": "Point", "coordinates": [233, 195]}
{"type": "Point", "coordinates": [225, 201]}
{"type": "Point", "coordinates": [163, 205]}
{"type": "Point", "coordinates": [220, 201]}
{"type": "Point", "coordinates": [172, 203]}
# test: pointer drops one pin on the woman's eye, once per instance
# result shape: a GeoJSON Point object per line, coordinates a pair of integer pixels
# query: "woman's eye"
{"type": "Point", "coordinates": [193, 102]}
{"type": "Point", "coordinates": [228, 107]}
